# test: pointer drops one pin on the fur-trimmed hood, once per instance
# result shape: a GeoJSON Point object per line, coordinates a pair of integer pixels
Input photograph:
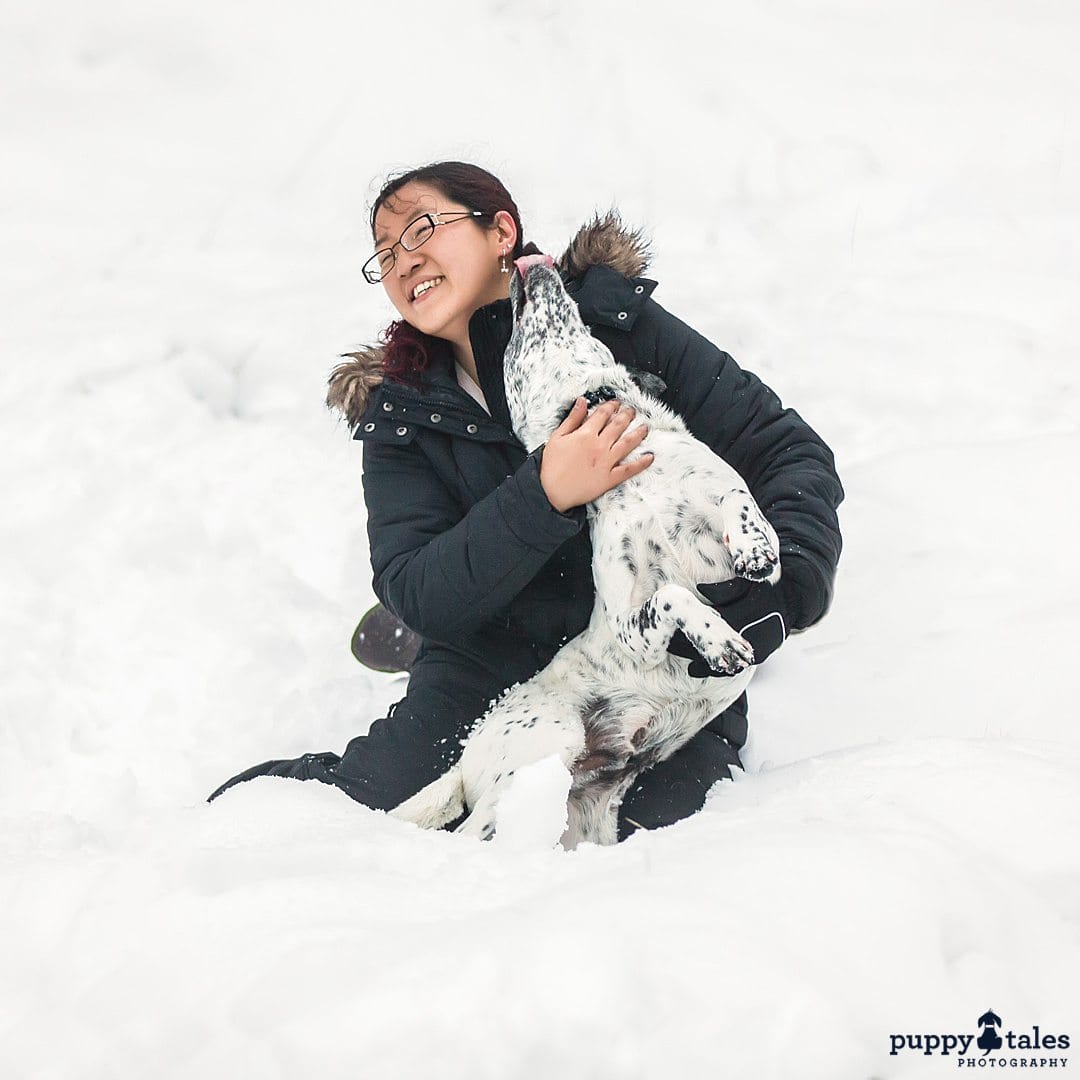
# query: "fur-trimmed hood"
{"type": "Point", "coordinates": [602, 241]}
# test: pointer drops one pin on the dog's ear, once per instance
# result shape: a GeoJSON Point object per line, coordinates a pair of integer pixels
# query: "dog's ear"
{"type": "Point", "coordinates": [517, 294]}
{"type": "Point", "coordinates": [647, 382]}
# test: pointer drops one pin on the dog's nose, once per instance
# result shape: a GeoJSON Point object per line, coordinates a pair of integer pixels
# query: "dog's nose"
{"type": "Point", "coordinates": [526, 261]}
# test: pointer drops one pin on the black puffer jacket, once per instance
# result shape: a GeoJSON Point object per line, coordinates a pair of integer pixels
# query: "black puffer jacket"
{"type": "Point", "coordinates": [465, 547]}
{"type": "Point", "coordinates": [468, 551]}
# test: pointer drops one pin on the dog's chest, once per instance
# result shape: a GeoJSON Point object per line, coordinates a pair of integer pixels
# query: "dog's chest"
{"type": "Point", "coordinates": [663, 524]}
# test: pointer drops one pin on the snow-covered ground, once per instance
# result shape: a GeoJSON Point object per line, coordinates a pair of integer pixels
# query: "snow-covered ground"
{"type": "Point", "coordinates": [876, 207]}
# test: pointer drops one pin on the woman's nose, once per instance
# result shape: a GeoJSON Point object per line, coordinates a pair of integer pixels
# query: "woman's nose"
{"type": "Point", "coordinates": [407, 262]}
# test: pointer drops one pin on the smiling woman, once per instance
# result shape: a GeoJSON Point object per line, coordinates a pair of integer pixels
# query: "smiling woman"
{"type": "Point", "coordinates": [463, 244]}
{"type": "Point", "coordinates": [445, 250]}
{"type": "Point", "coordinates": [478, 546]}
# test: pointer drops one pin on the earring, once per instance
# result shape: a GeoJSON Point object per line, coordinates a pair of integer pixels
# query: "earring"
{"type": "Point", "coordinates": [503, 268]}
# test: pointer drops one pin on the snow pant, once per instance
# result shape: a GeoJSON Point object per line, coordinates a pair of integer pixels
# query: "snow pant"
{"type": "Point", "coordinates": [422, 736]}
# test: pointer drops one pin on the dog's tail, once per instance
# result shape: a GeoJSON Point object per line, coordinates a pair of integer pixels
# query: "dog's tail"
{"type": "Point", "coordinates": [435, 806]}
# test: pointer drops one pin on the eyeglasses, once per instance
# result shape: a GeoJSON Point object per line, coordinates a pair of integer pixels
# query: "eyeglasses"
{"type": "Point", "coordinates": [416, 234]}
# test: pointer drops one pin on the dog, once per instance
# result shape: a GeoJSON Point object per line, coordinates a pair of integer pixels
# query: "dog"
{"type": "Point", "coordinates": [613, 701]}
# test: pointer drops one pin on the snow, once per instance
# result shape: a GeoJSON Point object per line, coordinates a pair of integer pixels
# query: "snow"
{"type": "Point", "coordinates": [875, 208]}
{"type": "Point", "coordinates": [532, 812]}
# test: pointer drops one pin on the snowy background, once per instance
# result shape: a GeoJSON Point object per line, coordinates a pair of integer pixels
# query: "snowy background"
{"type": "Point", "coordinates": [875, 207]}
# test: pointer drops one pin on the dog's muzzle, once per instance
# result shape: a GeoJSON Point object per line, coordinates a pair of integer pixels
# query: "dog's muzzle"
{"type": "Point", "coordinates": [519, 297]}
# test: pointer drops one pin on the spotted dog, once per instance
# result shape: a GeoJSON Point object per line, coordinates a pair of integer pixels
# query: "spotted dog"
{"type": "Point", "coordinates": [613, 701]}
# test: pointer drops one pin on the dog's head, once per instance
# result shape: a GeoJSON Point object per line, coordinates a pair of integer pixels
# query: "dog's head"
{"type": "Point", "coordinates": [552, 358]}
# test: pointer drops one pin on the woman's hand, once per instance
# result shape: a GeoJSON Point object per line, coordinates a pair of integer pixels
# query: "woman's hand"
{"type": "Point", "coordinates": [584, 456]}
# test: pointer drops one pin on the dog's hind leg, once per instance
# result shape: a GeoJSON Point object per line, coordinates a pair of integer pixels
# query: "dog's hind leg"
{"type": "Point", "coordinates": [533, 722]}
{"type": "Point", "coordinates": [591, 818]}
{"type": "Point", "coordinates": [594, 804]}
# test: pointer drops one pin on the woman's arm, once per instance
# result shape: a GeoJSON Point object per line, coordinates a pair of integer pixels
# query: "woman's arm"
{"type": "Point", "coordinates": [788, 467]}
{"type": "Point", "coordinates": [445, 571]}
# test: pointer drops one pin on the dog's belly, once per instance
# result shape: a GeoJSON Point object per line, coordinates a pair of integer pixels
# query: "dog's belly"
{"type": "Point", "coordinates": [591, 697]}
{"type": "Point", "coordinates": [669, 520]}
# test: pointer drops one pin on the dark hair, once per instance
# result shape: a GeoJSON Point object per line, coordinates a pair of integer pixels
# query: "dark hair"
{"type": "Point", "coordinates": [408, 351]}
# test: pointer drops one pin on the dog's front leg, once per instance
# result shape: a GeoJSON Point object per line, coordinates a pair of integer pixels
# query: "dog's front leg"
{"type": "Point", "coordinates": [750, 540]}
{"type": "Point", "coordinates": [642, 612]}
{"type": "Point", "coordinates": [645, 631]}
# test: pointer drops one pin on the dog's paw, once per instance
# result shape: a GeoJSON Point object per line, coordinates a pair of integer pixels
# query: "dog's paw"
{"type": "Point", "coordinates": [725, 656]}
{"type": "Point", "coordinates": [753, 547]}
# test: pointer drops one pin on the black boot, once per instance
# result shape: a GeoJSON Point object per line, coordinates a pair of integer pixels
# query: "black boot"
{"type": "Point", "coordinates": [382, 642]}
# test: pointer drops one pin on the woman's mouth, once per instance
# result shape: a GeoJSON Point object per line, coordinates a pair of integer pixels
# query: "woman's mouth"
{"type": "Point", "coordinates": [425, 288]}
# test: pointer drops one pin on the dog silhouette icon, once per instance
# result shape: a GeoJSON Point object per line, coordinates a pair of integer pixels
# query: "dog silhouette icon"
{"type": "Point", "coordinates": [989, 1039]}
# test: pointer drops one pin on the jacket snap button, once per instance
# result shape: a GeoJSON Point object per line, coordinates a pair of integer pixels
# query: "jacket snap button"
{"type": "Point", "coordinates": [403, 430]}
{"type": "Point", "coordinates": [369, 427]}
{"type": "Point", "coordinates": [640, 289]}
{"type": "Point", "coordinates": [435, 418]}
{"type": "Point", "coordinates": [472, 429]}
{"type": "Point", "coordinates": [387, 407]}
{"type": "Point", "coordinates": [622, 314]}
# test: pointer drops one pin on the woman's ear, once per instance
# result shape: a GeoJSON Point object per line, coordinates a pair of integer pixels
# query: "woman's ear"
{"type": "Point", "coordinates": [508, 235]}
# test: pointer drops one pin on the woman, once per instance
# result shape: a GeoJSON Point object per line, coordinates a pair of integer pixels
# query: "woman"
{"type": "Point", "coordinates": [480, 547]}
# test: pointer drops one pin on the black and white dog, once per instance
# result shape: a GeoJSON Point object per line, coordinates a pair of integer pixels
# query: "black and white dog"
{"type": "Point", "coordinates": [613, 701]}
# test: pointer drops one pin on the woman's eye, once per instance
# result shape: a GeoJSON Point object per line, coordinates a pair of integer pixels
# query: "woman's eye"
{"type": "Point", "coordinates": [386, 259]}
{"type": "Point", "coordinates": [420, 232]}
